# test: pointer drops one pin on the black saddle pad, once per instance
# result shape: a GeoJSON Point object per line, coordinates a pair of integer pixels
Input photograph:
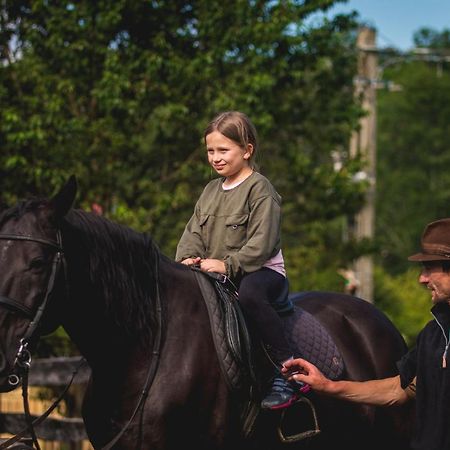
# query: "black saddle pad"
{"type": "Point", "coordinates": [311, 341]}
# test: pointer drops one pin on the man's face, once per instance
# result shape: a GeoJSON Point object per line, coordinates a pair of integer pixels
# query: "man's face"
{"type": "Point", "coordinates": [433, 277]}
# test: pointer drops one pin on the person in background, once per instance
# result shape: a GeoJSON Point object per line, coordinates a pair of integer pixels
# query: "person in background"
{"type": "Point", "coordinates": [97, 208]}
{"type": "Point", "coordinates": [235, 230]}
{"type": "Point", "coordinates": [424, 372]}
{"type": "Point", "coordinates": [351, 281]}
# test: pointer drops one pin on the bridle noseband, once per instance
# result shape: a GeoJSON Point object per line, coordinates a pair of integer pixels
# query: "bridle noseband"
{"type": "Point", "coordinates": [23, 355]}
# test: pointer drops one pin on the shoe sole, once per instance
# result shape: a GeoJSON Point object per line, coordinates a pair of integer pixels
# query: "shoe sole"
{"type": "Point", "coordinates": [290, 402]}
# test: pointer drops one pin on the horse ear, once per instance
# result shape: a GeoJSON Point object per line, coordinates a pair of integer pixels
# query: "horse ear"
{"type": "Point", "coordinates": [63, 200]}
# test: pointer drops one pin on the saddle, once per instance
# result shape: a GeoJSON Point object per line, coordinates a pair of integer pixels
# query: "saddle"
{"type": "Point", "coordinates": [230, 334]}
{"type": "Point", "coordinates": [306, 335]}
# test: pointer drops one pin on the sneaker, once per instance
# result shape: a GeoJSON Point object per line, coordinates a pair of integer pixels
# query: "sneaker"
{"type": "Point", "coordinates": [283, 393]}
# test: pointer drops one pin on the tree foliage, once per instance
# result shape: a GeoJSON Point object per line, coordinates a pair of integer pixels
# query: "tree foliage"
{"type": "Point", "coordinates": [413, 186]}
{"type": "Point", "coordinates": [404, 300]}
{"type": "Point", "coordinates": [118, 92]}
{"type": "Point", "coordinates": [432, 39]}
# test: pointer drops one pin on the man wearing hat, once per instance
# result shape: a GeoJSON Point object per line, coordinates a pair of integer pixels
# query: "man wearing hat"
{"type": "Point", "coordinates": [424, 372]}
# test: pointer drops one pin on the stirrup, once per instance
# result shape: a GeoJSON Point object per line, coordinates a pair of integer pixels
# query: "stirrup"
{"type": "Point", "coordinates": [287, 439]}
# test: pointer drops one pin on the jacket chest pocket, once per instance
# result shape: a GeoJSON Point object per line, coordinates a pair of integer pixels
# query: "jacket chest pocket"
{"type": "Point", "coordinates": [236, 231]}
{"type": "Point", "coordinates": [204, 228]}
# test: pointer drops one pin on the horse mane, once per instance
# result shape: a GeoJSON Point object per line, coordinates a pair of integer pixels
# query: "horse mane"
{"type": "Point", "coordinates": [122, 265]}
{"type": "Point", "coordinates": [123, 268]}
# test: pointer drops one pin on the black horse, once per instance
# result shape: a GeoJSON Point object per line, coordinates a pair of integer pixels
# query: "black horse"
{"type": "Point", "coordinates": [141, 322]}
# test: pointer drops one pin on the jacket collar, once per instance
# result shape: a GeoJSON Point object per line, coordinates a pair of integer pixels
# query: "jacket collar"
{"type": "Point", "coordinates": [441, 311]}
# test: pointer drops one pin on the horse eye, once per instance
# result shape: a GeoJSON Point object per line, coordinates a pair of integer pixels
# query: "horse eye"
{"type": "Point", "coordinates": [38, 263]}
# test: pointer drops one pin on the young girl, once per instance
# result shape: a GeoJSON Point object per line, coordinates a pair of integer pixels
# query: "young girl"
{"type": "Point", "coordinates": [235, 230]}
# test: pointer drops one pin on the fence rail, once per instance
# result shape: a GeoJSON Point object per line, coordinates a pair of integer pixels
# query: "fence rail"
{"type": "Point", "coordinates": [64, 429]}
{"type": "Point", "coordinates": [53, 373]}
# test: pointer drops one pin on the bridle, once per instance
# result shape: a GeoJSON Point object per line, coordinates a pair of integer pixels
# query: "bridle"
{"type": "Point", "coordinates": [23, 356]}
{"type": "Point", "coordinates": [22, 361]}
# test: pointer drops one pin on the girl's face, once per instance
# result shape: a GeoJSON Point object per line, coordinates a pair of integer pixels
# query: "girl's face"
{"type": "Point", "coordinates": [227, 158]}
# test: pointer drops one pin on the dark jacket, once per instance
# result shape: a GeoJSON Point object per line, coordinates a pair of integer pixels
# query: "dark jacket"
{"type": "Point", "coordinates": [427, 361]}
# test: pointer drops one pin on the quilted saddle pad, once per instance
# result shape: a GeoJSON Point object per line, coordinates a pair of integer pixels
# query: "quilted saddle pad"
{"type": "Point", "coordinates": [311, 341]}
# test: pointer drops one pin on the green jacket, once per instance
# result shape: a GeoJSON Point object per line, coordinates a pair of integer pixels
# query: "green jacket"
{"type": "Point", "coordinates": [240, 225]}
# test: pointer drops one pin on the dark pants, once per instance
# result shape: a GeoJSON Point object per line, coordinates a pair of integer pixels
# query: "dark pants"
{"type": "Point", "coordinates": [257, 290]}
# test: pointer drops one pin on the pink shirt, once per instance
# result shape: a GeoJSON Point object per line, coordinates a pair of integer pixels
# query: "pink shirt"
{"type": "Point", "coordinates": [276, 263]}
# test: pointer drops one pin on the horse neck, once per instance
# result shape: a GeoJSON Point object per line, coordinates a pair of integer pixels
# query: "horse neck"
{"type": "Point", "coordinates": [108, 308]}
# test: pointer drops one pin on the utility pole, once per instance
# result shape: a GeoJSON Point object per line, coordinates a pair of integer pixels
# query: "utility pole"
{"type": "Point", "coordinates": [363, 142]}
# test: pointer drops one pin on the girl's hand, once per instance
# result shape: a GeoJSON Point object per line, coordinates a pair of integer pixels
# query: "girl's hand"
{"type": "Point", "coordinates": [213, 265]}
{"type": "Point", "coordinates": [191, 261]}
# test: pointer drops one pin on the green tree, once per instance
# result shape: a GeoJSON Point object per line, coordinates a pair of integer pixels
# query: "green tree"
{"type": "Point", "coordinates": [413, 185]}
{"type": "Point", "coordinates": [119, 91]}
{"type": "Point", "coordinates": [433, 39]}
{"type": "Point", "coordinates": [404, 301]}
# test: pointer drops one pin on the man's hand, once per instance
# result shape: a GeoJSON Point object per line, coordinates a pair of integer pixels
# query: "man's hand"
{"type": "Point", "coordinates": [378, 392]}
{"type": "Point", "coordinates": [299, 369]}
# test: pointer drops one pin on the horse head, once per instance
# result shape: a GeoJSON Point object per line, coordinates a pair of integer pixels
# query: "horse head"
{"type": "Point", "coordinates": [30, 259]}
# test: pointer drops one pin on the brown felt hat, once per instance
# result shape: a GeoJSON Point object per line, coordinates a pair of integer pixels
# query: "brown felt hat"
{"type": "Point", "coordinates": [435, 242]}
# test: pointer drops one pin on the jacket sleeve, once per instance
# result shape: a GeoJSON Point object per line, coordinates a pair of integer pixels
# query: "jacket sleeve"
{"type": "Point", "coordinates": [263, 238]}
{"type": "Point", "coordinates": [407, 367]}
{"type": "Point", "coordinates": [191, 242]}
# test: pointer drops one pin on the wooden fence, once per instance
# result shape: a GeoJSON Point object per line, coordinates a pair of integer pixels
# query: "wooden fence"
{"type": "Point", "coordinates": [47, 378]}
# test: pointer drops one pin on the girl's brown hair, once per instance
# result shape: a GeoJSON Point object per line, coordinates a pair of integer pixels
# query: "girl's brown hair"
{"type": "Point", "coordinates": [238, 127]}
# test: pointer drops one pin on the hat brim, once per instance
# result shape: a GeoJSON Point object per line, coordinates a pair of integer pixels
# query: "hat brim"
{"type": "Point", "coordinates": [427, 257]}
